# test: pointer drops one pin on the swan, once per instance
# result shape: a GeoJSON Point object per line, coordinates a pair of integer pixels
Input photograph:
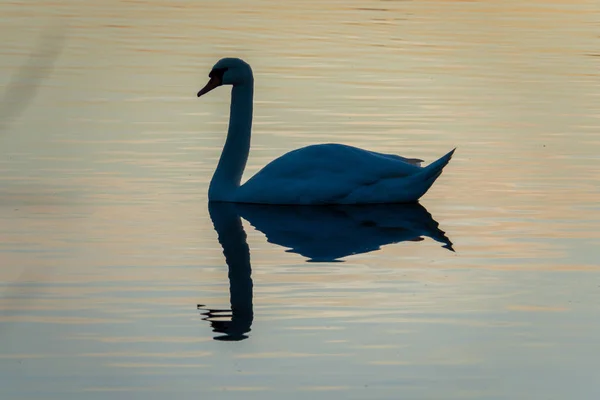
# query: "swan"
{"type": "Point", "coordinates": [317, 174]}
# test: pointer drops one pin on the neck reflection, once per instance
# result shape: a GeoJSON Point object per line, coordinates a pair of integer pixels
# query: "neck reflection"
{"type": "Point", "coordinates": [233, 324]}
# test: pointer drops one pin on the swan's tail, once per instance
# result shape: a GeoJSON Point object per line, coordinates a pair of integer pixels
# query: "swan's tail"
{"type": "Point", "coordinates": [435, 168]}
{"type": "Point", "coordinates": [430, 173]}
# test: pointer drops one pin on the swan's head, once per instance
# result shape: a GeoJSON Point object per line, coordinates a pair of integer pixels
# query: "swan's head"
{"type": "Point", "coordinates": [228, 71]}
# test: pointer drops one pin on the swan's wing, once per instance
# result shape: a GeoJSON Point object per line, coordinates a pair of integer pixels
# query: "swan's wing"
{"type": "Point", "coordinates": [348, 160]}
{"type": "Point", "coordinates": [321, 174]}
{"type": "Point", "coordinates": [413, 161]}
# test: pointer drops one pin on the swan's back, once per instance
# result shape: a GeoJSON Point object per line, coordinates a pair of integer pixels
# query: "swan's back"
{"type": "Point", "coordinates": [333, 174]}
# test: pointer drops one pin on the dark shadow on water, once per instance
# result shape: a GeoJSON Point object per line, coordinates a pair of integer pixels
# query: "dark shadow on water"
{"type": "Point", "coordinates": [329, 233]}
{"type": "Point", "coordinates": [18, 94]}
{"type": "Point", "coordinates": [321, 234]}
{"type": "Point", "coordinates": [23, 86]}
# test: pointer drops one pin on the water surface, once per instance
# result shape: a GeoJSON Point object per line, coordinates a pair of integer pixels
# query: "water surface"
{"type": "Point", "coordinates": [107, 245]}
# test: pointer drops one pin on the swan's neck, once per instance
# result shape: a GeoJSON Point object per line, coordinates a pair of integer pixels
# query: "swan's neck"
{"type": "Point", "coordinates": [228, 174]}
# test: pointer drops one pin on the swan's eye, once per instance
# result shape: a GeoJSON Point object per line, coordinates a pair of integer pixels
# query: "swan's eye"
{"type": "Point", "coordinates": [218, 73]}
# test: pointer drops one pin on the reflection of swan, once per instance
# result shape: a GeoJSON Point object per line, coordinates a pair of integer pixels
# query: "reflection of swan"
{"type": "Point", "coordinates": [327, 233]}
{"type": "Point", "coordinates": [234, 323]}
{"type": "Point", "coordinates": [317, 174]}
{"type": "Point", "coordinates": [324, 233]}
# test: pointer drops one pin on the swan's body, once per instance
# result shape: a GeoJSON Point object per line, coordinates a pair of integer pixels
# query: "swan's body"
{"type": "Point", "coordinates": [317, 174]}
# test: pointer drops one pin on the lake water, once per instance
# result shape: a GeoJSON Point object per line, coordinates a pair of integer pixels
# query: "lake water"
{"type": "Point", "coordinates": [107, 244]}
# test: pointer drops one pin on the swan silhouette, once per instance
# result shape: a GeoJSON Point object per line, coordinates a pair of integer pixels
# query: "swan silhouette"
{"type": "Point", "coordinates": [322, 234]}
{"type": "Point", "coordinates": [317, 174]}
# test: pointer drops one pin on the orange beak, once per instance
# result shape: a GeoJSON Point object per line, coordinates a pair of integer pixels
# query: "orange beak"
{"type": "Point", "coordinates": [214, 82]}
